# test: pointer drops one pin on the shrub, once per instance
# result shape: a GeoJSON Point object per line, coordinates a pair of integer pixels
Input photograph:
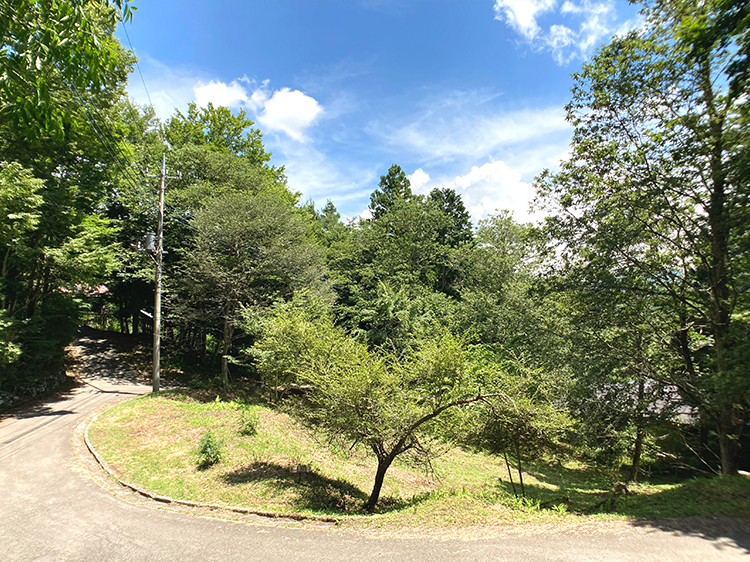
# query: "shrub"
{"type": "Point", "coordinates": [209, 451]}
{"type": "Point", "coordinates": [248, 421]}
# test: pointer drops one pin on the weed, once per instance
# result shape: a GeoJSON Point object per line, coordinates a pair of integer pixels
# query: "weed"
{"type": "Point", "coordinates": [560, 508]}
{"type": "Point", "coordinates": [248, 421]}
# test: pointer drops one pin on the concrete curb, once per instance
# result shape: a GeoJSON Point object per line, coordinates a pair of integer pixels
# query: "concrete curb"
{"type": "Point", "coordinates": [166, 499]}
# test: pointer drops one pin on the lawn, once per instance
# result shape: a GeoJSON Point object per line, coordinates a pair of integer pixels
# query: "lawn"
{"type": "Point", "coordinates": [269, 462]}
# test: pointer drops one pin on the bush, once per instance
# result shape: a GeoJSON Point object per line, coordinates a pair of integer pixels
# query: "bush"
{"type": "Point", "coordinates": [248, 421]}
{"type": "Point", "coordinates": [209, 452]}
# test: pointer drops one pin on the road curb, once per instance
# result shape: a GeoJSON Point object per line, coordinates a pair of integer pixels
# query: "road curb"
{"type": "Point", "coordinates": [168, 500]}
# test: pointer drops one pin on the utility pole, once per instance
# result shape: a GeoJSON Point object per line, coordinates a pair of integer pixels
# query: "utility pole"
{"type": "Point", "coordinates": [157, 296]}
{"type": "Point", "coordinates": [159, 251]}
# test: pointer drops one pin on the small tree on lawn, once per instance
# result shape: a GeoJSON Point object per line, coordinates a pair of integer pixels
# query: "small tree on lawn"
{"type": "Point", "coordinates": [363, 397]}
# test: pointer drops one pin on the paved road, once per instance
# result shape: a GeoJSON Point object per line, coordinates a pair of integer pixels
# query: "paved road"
{"type": "Point", "coordinates": [55, 504]}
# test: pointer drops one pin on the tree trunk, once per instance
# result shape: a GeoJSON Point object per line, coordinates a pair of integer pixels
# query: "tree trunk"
{"type": "Point", "coordinates": [729, 429]}
{"type": "Point", "coordinates": [4, 274]}
{"type": "Point", "coordinates": [201, 345]}
{"type": "Point", "coordinates": [637, 450]}
{"type": "Point", "coordinates": [510, 474]}
{"type": "Point", "coordinates": [520, 470]}
{"type": "Point", "coordinates": [228, 329]}
{"type": "Point", "coordinates": [383, 464]}
{"type": "Point", "coordinates": [729, 424]}
{"type": "Point", "coordinates": [728, 449]}
{"type": "Point", "coordinates": [639, 434]}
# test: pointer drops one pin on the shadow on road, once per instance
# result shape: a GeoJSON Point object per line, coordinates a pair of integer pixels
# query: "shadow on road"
{"type": "Point", "coordinates": [99, 356]}
{"type": "Point", "coordinates": [42, 407]}
{"type": "Point", "coordinates": [727, 532]}
{"type": "Point", "coordinates": [95, 357]}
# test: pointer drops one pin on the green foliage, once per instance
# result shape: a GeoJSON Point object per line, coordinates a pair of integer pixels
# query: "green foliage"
{"type": "Point", "coordinates": [219, 129]}
{"type": "Point", "coordinates": [249, 250]}
{"type": "Point", "coordinates": [20, 200]}
{"type": "Point", "coordinates": [500, 275]}
{"type": "Point", "coordinates": [55, 172]}
{"type": "Point", "coordinates": [9, 349]}
{"type": "Point", "coordinates": [44, 42]}
{"type": "Point", "coordinates": [650, 211]}
{"type": "Point", "coordinates": [459, 229]}
{"type": "Point", "coordinates": [527, 417]}
{"type": "Point", "coordinates": [396, 404]}
{"type": "Point", "coordinates": [390, 273]}
{"type": "Point", "coordinates": [209, 451]}
{"type": "Point", "coordinates": [394, 189]}
{"type": "Point", "coordinates": [396, 319]}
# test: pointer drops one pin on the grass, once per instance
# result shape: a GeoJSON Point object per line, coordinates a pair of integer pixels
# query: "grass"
{"type": "Point", "coordinates": [153, 442]}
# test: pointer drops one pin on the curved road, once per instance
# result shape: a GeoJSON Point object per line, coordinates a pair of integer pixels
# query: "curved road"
{"type": "Point", "coordinates": [56, 504]}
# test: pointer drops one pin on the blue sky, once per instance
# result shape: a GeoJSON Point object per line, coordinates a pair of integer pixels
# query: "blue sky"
{"type": "Point", "coordinates": [467, 94]}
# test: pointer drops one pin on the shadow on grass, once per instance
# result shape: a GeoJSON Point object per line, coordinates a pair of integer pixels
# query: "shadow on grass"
{"type": "Point", "coordinates": [714, 508]}
{"type": "Point", "coordinates": [207, 395]}
{"type": "Point", "coordinates": [314, 491]}
{"type": "Point", "coordinates": [575, 488]}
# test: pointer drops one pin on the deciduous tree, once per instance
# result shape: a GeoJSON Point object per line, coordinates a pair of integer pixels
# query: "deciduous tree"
{"type": "Point", "coordinates": [653, 200]}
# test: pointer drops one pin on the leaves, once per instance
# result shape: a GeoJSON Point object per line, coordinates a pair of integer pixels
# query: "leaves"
{"type": "Point", "coordinates": [648, 212]}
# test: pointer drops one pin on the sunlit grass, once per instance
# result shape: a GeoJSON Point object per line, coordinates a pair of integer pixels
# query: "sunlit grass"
{"type": "Point", "coordinates": [153, 441]}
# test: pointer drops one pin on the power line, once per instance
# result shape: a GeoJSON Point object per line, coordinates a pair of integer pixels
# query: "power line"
{"type": "Point", "coordinates": [103, 132]}
{"type": "Point", "coordinates": [138, 66]}
{"type": "Point", "coordinates": [143, 80]}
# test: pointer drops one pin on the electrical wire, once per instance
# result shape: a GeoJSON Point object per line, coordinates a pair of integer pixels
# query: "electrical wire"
{"type": "Point", "coordinates": [103, 132]}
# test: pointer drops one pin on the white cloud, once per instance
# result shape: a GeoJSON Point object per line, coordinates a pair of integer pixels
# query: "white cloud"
{"type": "Point", "coordinates": [418, 179]}
{"type": "Point", "coordinates": [285, 110]}
{"type": "Point", "coordinates": [313, 173]}
{"type": "Point", "coordinates": [521, 14]}
{"type": "Point", "coordinates": [492, 187]}
{"type": "Point", "coordinates": [473, 134]}
{"type": "Point", "coordinates": [488, 154]}
{"type": "Point", "coordinates": [233, 94]}
{"type": "Point", "coordinates": [586, 24]}
{"type": "Point", "coordinates": [290, 111]}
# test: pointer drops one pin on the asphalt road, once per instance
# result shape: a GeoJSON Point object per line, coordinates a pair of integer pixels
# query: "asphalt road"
{"type": "Point", "coordinates": [57, 504]}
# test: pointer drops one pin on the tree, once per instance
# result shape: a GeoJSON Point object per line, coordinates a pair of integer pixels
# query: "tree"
{"type": "Point", "coordinates": [654, 198]}
{"type": "Point", "coordinates": [394, 188]}
{"type": "Point", "coordinates": [44, 42]}
{"type": "Point", "coordinates": [459, 229]}
{"type": "Point", "coordinates": [500, 274]}
{"type": "Point", "coordinates": [220, 129]}
{"type": "Point", "coordinates": [619, 396]}
{"type": "Point", "coordinates": [249, 251]}
{"type": "Point", "coordinates": [62, 71]}
{"type": "Point", "coordinates": [366, 398]}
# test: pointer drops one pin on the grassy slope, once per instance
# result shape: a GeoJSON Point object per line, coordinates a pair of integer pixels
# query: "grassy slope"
{"type": "Point", "coordinates": [153, 442]}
